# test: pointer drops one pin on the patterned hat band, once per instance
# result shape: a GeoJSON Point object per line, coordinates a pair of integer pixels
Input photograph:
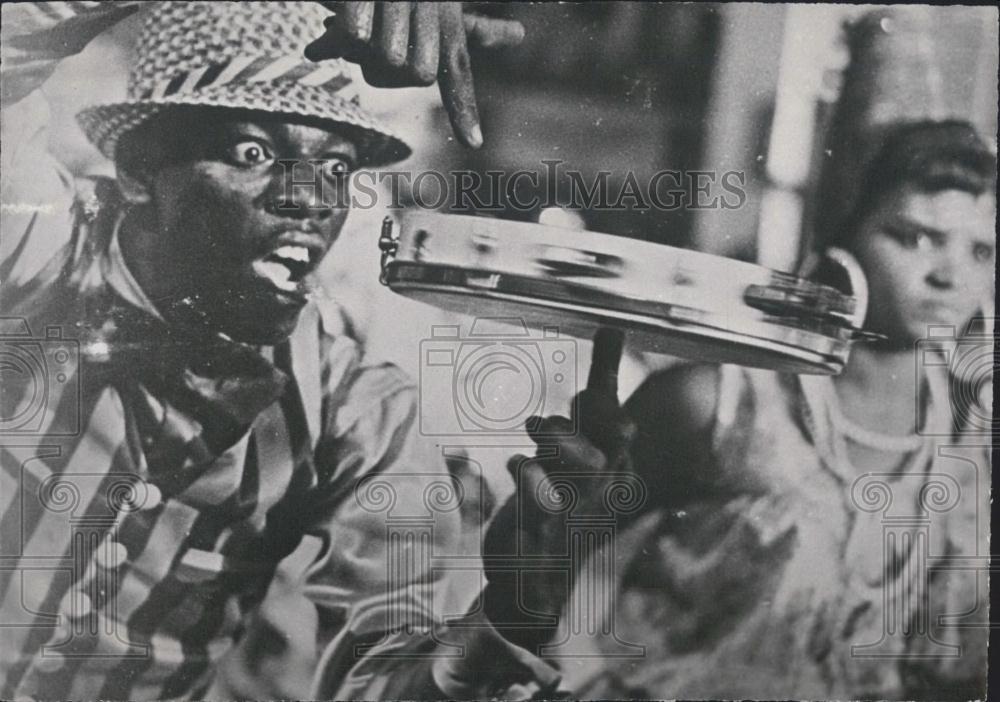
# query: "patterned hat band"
{"type": "Point", "coordinates": [255, 69]}
{"type": "Point", "coordinates": [245, 56]}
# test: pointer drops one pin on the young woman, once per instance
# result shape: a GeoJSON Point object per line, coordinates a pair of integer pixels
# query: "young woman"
{"type": "Point", "coordinates": [802, 514]}
{"type": "Point", "coordinates": [812, 537]}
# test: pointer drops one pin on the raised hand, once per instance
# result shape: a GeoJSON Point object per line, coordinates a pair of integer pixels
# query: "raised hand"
{"type": "Point", "coordinates": [399, 44]}
{"type": "Point", "coordinates": [589, 458]}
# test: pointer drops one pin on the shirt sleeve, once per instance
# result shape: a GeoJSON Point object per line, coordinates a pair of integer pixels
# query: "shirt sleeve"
{"type": "Point", "coordinates": [358, 602]}
{"type": "Point", "coordinates": [36, 195]}
{"type": "Point", "coordinates": [388, 508]}
{"type": "Point", "coordinates": [366, 607]}
{"type": "Point", "coordinates": [36, 191]}
{"type": "Point", "coordinates": [393, 623]}
{"type": "Point", "coordinates": [37, 35]}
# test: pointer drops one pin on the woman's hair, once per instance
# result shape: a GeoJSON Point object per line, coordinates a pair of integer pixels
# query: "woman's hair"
{"type": "Point", "coordinates": [930, 157]}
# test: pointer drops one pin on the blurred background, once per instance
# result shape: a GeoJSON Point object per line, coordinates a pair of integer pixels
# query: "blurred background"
{"type": "Point", "coordinates": [616, 87]}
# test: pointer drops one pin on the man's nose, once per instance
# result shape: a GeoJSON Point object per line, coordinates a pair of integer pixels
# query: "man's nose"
{"type": "Point", "coordinates": [303, 193]}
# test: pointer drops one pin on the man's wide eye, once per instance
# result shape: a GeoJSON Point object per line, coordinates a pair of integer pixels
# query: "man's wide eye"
{"type": "Point", "coordinates": [249, 153]}
{"type": "Point", "coordinates": [336, 168]}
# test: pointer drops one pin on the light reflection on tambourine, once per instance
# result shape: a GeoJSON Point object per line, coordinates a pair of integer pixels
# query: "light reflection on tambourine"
{"type": "Point", "coordinates": [668, 300]}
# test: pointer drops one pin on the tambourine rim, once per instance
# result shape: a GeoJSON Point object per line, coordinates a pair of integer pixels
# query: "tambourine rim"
{"type": "Point", "coordinates": [532, 234]}
{"type": "Point", "coordinates": [582, 237]}
{"type": "Point", "coordinates": [823, 353]}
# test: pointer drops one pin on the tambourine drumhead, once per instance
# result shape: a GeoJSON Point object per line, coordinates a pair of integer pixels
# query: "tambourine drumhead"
{"type": "Point", "coordinates": [667, 300]}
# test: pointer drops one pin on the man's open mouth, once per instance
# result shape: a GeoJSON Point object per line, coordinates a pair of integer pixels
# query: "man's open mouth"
{"type": "Point", "coordinates": [286, 267]}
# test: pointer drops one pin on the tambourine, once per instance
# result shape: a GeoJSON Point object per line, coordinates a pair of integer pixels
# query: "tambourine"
{"type": "Point", "coordinates": [668, 300]}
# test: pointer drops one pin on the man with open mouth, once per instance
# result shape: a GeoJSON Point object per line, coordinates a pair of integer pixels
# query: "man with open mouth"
{"type": "Point", "coordinates": [196, 455]}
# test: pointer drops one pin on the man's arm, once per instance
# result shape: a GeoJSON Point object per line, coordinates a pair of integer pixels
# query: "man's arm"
{"type": "Point", "coordinates": [37, 35]}
{"type": "Point", "coordinates": [37, 191]}
{"type": "Point", "coordinates": [358, 612]}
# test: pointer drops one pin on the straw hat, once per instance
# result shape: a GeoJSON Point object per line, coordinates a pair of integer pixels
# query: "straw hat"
{"type": "Point", "coordinates": [240, 55]}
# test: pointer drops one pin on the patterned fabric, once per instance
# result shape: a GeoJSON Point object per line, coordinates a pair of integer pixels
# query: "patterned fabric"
{"type": "Point", "coordinates": [769, 574]}
{"type": "Point", "coordinates": [238, 55]}
{"type": "Point", "coordinates": [37, 34]}
{"type": "Point", "coordinates": [246, 55]}
{"type": "Point", "coordinates": [190, 516]}
{"type": "Point", "coordinates": [146, 512]}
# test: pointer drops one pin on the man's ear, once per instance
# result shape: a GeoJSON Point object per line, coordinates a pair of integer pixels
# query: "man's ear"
{"type": "Point", "coordinates": [133, 186]}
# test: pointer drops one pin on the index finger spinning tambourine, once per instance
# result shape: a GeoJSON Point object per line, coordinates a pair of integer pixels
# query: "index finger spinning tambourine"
{"type": "Point", "coordinates": [667, 300]}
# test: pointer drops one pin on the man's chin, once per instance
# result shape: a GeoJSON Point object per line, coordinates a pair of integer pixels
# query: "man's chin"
{"type": "Point", "coordinates": [264, 329]}
{"type": "Point", "coordinates": [250, 318]}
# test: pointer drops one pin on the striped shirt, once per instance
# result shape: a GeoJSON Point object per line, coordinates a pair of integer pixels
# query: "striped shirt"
{"type": "Point", "coordinates": [152, 515]}
{"type": "Point", "coordinates": [228, 523]}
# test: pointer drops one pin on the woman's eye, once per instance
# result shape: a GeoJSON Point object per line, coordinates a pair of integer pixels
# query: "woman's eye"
{"type": "Point", "coordinates": [249, 153]}
{"type": "Point", "coordinates": [982, 252]}
{"type": "Point", "coordinates": [914, 239]}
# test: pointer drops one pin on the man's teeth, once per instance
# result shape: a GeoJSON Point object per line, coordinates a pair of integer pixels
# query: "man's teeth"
{"type": "Point", "coordinates": [295, 253]}
{"type": "Point", "coordinates": [284, 267]}
{"type": "Point", "coordinates": [277, 273]}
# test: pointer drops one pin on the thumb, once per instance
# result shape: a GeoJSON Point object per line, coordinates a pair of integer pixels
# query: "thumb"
{"type": "Point", "coordinates": [606, 357]}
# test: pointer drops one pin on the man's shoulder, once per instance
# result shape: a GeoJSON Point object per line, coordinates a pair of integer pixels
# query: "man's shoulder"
{"type": "Point", "coordinates": [342, 349]}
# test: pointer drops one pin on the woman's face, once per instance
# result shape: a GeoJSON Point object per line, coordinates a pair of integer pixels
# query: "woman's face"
{"type": "Point", "coordinates": [929, 260]}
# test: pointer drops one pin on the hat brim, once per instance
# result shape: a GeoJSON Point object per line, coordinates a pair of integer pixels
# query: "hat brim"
{"type": "Point", "coordinates": [104, 125]}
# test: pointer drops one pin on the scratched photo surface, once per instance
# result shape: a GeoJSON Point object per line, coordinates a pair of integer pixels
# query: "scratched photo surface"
{"type": "Point", "coordinates": [412, 350]}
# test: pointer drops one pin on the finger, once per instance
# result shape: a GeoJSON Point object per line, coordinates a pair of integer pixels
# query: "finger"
{"type": "Point", "coordinates": [604, 363]}
{"type": "Point", "coordinates": [358, 18]}
{"type": "Point", "coordinates": [542, 429]}
{"type": "Point", "coordinates": [528, 474]}
{"type": "Point", "coordinates": [394, 32]}
{"type": "Point", "coordinates": [492, 33]}
{"type": "Point", "coordinates": [333, 43]}
{"type": "Point", "coordinates": [514, 464]}
{"type": "Point", "coordinates": [499, 539]}
{"type": "Point", "coordinates": [601, 409]}
{"type": "Point", "coordinates": [565, 447]}
{"type": "Point", "coordinates": [424, 42]}
{"type": "Point", "coordinates": [532, 505]}
{"type": "Point", "coordinates": [378, 74]}
{"type": "Point", "coordinates": [578, 453]}
{"type": "Point", "coordinates": [455, 77]}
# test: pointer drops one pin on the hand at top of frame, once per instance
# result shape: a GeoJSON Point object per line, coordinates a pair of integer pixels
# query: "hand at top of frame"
{"type": "Point", "coordinates": [400, 44]}
{"type": "Point", "coordinates": [589, 459]}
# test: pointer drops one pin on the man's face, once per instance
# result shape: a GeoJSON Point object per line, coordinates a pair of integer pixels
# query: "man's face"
{"type": "Point", "coordinates": [929, 260]}
{"type": "Point", "coordinates": [235, 237]}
